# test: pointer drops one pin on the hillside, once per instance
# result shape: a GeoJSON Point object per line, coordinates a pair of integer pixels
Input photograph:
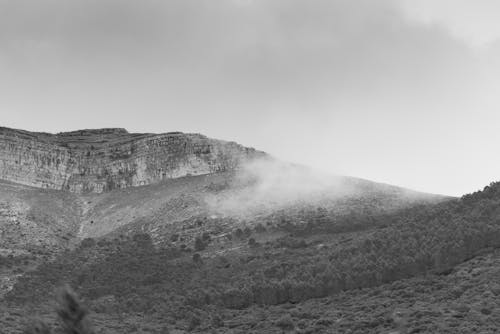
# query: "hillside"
{"type": "Point", "coordinates": [245, 196]}
{"type": "Point", "coordinates": [37, 220]}
{"type": "Point", "coordinates": [419, 268]}
{"type": "Point", "coordinates": [212, 224]}
{"type": "Point", "coordinates": [60, 188]}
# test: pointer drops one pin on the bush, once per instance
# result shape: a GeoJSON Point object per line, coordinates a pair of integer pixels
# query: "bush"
{"type": "Point", "coordinates": [217, 322]}
{"type": "Point", "coordinates": [37, 327]}
{"type": "Point", "coordinates": [196, 258]}
{"type": "Point", "coordinates": [285, 323]}
{"type": "Point", "coordinates": [259, 228]}
{"type": "Point", "coordinates": [199, 244]}
{"type": "Point", "coordinates": [194, 322]}
{"type": "Point", "coordinates": [252, 243]}
{"type": "Point", "coordinates": [87, 243]}
{"type": "Point", "coordinates": [238, 233]}
{"type": "Point", "coordinates": [72, 315]}
{"type": "Point", "coordinates": [206, 236]}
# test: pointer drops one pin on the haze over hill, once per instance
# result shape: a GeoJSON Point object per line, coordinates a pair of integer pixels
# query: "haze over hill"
{"type": "Point", "coordinates": [189, 175]}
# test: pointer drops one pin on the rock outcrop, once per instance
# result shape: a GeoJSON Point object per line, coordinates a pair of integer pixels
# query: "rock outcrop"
{"type": "Point", "coordinates": [105, 159]}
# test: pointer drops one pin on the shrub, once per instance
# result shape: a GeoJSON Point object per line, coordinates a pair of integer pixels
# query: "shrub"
{"type": "Point", "coordinates": [238, 233]}
{"type": "Point", "coordinates": [205, 236]}
{"type": "Point", "coordinates": [72, 315]}
{"type": "Point", "coordinates": [143, 240]}
{"type": "Point", "coordinates": [87, 243]}
{"type": "Point", "coordinates": [252, 242]}
{"type": "Point", "coordinates": [285, 323]}
{"type": "Point", "coordinates": [37, 327]}
{"type": "Point", "coordinates": [194, 322]}
{"type": "Point", "coordinates": [196, 258]}
{"type": "Point", "coordinates": [259, 228]}
{"type": "Point", "coordinates": [199, 244]}
{"type": "Point", "coordinates": [217, 322]}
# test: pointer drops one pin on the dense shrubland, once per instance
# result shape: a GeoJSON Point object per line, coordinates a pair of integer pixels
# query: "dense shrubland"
{"type": "Point", "coordinates": [12, 261]}
{"type": "Point", "coordinates": [315, 256]}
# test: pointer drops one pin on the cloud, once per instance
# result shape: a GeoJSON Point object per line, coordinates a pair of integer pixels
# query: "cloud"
{"type": "Point", "coordinates": [348, 86]}
{"type": "Point", "coordinates": [280, 45]}
{"type": "Point", "coordinates": [474, 22]}
{"type": "Point", "coordinates": [264, 185]}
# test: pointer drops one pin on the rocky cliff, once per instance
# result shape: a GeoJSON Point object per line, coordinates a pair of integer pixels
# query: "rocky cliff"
{"type": "Point", "coordinates": [105, 159]}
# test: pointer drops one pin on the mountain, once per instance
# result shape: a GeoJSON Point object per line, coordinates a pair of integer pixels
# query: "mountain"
{"type": "Point", "coordinates": [105, 159]}
{"type": "Point", "coordinates": [208, 222]}
{"type": "Point", "coordinates": [58, 189]}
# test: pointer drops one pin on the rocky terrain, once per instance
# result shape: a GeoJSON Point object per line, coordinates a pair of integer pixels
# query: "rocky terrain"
{"type": "Point", "coordinates": [181, 233]}
{"type": "Point", "coordinates": [58, 189]}
{"type": "Point", "coordinates": [105, 159]}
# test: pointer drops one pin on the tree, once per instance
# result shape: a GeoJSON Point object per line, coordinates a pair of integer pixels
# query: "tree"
{"type": "Point", "coordinates": [199, 244]}
{"type": "Point", "coordinates": [196, 258]}
{"type": "Point", "coordinates": [72, 315]}
{"type": "Point", "coordinates": [252, 243]}
{"type": "Point", "coordinates": [238, 233]}
{"type": "Point", "coordinates": [87, 243]}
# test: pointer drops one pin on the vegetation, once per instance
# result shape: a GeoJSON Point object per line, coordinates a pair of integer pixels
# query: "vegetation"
{"type": "Point", "coordinates": [314, 254]}
{"type": "Point", "coordinates": [72, 316]}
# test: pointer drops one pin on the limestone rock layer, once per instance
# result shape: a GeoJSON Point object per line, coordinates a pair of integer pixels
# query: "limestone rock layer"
{"type": "Point", "coordinates": [105, 159]}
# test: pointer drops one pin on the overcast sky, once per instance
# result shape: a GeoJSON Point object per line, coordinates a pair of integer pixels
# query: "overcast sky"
{"type": "Point", "coordinates": [405, 92]}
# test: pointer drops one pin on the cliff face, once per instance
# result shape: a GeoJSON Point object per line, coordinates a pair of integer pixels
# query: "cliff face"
{"type": "Point", "coordinates": [105, 159]}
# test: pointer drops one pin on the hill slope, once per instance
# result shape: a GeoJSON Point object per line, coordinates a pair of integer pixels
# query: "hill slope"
{"type": "Point", "coordinates": [189, 177]}
{"type": "Point", "coordinates": [415, 253]}
{"type": "Point", "coordinates": [247, 196]}
{"type": "Point", "coordinates": [37, 220]}
{"type": "Point", "coordinates": [225, 228]}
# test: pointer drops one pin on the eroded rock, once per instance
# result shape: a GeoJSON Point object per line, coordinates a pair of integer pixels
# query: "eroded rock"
{"type": "Point", "coordinates": [105, 159]}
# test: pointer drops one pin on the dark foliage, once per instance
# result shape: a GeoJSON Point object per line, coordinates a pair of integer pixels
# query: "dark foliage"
{"type": "Point", "coordinates": [72, 316]}
{"type": "Point", "coordinates": [411, 242]}
{"type": "Point", "coordinates": [199, 244]}
{"type": "Point", "coordinates": [37, 326]}
{"type": "Point", "coordinates": [197, 258]}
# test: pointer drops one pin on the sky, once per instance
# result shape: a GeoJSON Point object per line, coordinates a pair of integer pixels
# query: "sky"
{"type": "Point", "coordinates": [398, 91]}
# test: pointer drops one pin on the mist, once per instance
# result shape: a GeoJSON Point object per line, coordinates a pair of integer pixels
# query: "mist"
{"type": "Point", "coordinates": [262, 185]}
{"type": "Point", "coordinates": [265, 185]}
